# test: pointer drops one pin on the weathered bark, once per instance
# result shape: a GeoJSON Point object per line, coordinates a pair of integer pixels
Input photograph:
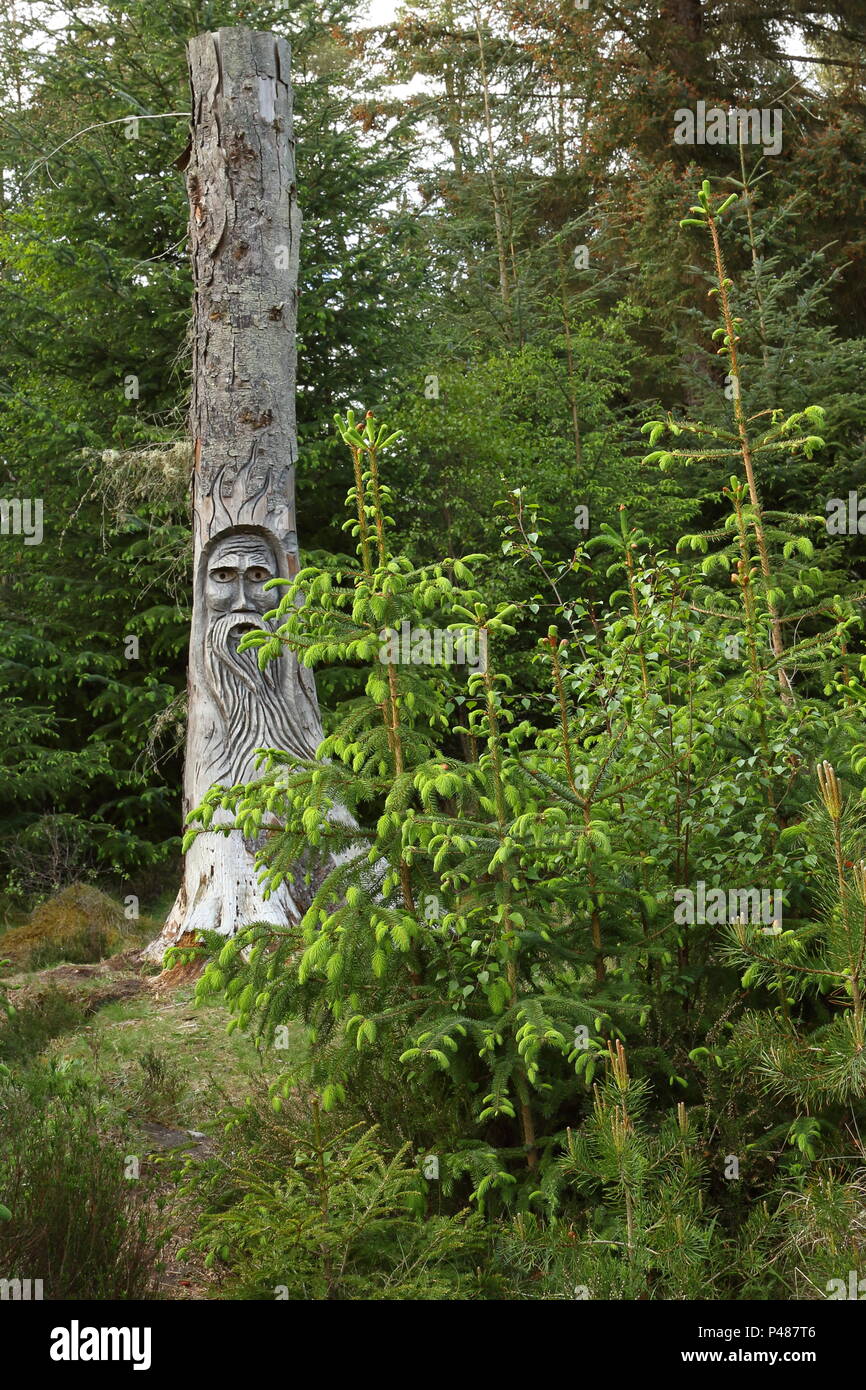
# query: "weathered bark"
{"type": "Point", "coordinates": [244, 231]}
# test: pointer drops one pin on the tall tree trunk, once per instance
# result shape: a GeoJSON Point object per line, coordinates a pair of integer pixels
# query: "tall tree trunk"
{"type": "Point", "coordinates": [244, 232]}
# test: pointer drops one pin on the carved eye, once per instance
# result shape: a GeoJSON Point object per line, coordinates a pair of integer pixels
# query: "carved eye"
{"type": "Point", "coordinates": [258, 575]}
{"type": "Point", "coordinates": [222, 576]}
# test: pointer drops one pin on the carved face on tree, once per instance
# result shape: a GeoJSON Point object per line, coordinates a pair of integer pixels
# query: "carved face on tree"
{"type": "Point", "coordinates": [254, 704]}
{"type": "Point", "coordinates": [238, 569]}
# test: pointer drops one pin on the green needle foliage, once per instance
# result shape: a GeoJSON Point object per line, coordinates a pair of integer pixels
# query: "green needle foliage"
{"type": "Point", "coordinates": [489, 905]}
{"type": "Point", "coordinates": [491, 956]}
{"type": "Point", "coordinates": [302, 1208]}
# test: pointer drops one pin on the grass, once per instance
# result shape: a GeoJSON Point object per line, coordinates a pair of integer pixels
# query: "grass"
{"type": "Point", "coordinates": [73, 1219]}
{"type": "Point", "coordinates": [190, 1042]}
{"type": "Point", "coordinates": [160, 1067]}
{"type": "Point", "coordinates": [132, 1072]}
{"type": "Point", "coordinates": [45, 1014]}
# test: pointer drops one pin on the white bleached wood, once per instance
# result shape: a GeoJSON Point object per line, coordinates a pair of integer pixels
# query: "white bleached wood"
{"type": "Point", "coordinates": [244, 233]}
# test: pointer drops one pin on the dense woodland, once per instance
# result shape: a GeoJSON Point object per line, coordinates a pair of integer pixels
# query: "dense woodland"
{"type": "Point", "coordinates": [593, 399]}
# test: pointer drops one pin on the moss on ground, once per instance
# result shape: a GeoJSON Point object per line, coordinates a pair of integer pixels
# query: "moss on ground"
{"type": "Point", "coordinates": [78, 923]}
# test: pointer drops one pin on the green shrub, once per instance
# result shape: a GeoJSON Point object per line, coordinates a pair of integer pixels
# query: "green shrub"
{"type": "Point", "coordinates": [156, 1088]}
{"type": "Point", "coordinates": [298, 1207]}
{"type": "Point", "coordinates": [41, 1017]}
{"type": "Point", "coordinates": [76, 1221]}
{"type": "Point", "coordinates": [510, 881]}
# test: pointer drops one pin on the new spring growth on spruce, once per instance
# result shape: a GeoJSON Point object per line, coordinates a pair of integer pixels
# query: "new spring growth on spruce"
{"type": "Point", "coordinates": [703, 209]}
{"type": "Point", "coordinates": [831, 792]}
{"type": "Point", "coordinates": [365, 437]}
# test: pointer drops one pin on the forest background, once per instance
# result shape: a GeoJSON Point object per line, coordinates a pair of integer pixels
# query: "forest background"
{"type": "Point", "coordinates": [494, 260]}
{"type": "Point", "coordinates": [452, 166]}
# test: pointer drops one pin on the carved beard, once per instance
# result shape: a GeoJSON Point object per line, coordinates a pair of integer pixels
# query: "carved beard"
{"type": "Point", "coordinates": [255, 705]}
